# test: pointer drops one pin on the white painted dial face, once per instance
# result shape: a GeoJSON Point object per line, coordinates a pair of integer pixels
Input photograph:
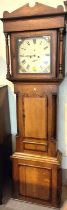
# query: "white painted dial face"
{"type": "Point", "coordinates": [34, 55]}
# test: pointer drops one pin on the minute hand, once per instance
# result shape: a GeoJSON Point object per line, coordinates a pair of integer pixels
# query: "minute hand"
{"type": "Point", "coordinates": [28, 56]}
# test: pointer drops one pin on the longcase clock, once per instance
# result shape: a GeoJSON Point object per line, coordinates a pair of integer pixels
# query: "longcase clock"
{"type": "Point", "coordinates": [35, 40]}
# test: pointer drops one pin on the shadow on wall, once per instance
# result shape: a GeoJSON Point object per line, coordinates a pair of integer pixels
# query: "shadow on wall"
{"type": "Point", "coordinates": [13, 119]}
{"type": "Point", "coordinates": [11, 96]}
{"type": "Point", "coordinates": [62, 101]}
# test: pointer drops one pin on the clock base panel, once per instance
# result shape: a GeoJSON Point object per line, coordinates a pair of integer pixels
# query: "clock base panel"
{"type": "Point", "coordinates": [37, 178]}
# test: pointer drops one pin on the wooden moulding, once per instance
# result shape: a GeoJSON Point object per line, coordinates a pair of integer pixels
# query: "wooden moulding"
{"type": "Point", "coordinates": [36, 24]}
{"type": "Point", "coordinates": [52, 160]}
{"type": "Point", "coordinates": [36, 18]}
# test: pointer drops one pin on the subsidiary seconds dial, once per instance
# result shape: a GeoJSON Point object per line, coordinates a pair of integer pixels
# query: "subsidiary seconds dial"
{"type": "Point", "coordinates": [33, 55]}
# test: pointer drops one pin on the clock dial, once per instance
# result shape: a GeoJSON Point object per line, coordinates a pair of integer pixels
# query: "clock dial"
{"type": "Point", "coordinates": [34, 54]}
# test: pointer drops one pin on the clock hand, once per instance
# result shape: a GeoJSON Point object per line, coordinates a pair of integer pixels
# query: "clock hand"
{"type": "Point", "coordinates": [28, 56]}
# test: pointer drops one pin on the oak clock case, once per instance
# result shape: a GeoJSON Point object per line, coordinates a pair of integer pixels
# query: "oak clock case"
{"type": "Point", "coordinates": [35, 66]}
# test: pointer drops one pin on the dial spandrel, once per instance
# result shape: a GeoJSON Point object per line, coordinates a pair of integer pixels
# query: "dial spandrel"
{"type": "Point", "coordinates": [33, 54]}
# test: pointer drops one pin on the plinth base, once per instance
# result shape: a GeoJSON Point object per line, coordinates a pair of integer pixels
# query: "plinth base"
{"type": "Point", "coordinates": [37, 177]}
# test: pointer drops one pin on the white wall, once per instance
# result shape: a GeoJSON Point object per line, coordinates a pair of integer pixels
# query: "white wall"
{"type": "Point", "coordinates": [11, 5]}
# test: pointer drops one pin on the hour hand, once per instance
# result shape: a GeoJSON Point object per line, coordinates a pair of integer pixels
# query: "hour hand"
{"type": "Point", "coordinates": [30, 56]}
